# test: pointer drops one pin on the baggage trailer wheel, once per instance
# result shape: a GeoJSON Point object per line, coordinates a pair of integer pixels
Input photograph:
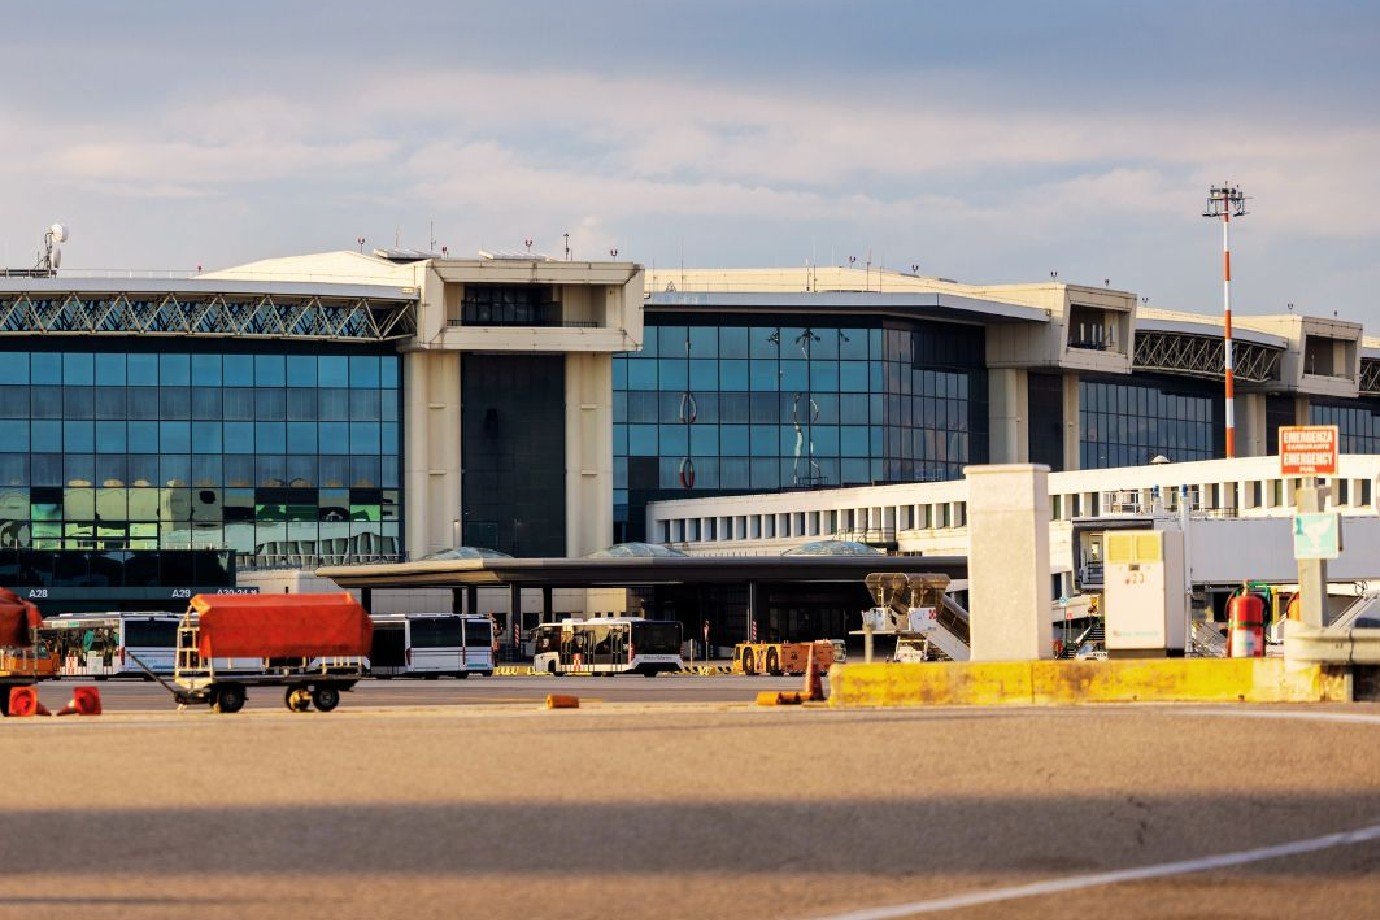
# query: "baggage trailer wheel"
{"type": "Point", "coordinates": [228, 698]}
{"type": "Point", "coordinates": [297, 699]}
{"type": "Point", "coordinates": [325, 697]}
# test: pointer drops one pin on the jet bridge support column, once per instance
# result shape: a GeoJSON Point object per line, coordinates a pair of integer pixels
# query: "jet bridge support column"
{"type": "Point", "coordinates": [1009, 588]}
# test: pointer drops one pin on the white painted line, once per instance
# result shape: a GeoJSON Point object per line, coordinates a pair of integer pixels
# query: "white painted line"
{"type": "Point", "coordinates": [1099, 879]}
{"type": "Point", "coordinates": [1298, 714]}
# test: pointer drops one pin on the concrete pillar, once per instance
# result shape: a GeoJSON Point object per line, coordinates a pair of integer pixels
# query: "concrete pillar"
{"type": "Point", "coordinates": [588, 453]}
{"type": "Point", "coordinates": [431, 420]}
{"type": "Point", "coordinates": [547, 606]}
{"type": "Point", "coordinates": [1008, 423]}
{"type": "Point", "coordinates": [1252, 434]}
{"type": "Point", "coordinates": [1072, 424]}
{"type": "Point", "coordinates": [457, 600]}
{"type": "Point", "coordinates": [471, 599]}
{"type": "Point", "coordinates": [1008, 562]}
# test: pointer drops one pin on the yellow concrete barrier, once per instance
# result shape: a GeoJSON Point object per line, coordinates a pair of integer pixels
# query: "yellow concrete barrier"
{"type": "Point", "coordinates": [1255, 680]}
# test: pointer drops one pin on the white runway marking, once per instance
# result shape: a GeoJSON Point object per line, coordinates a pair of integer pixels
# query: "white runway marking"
{"type": "Point", "coordinates": [1100, 879]}
{"type": "Point", "coordinates": [1361, 717]}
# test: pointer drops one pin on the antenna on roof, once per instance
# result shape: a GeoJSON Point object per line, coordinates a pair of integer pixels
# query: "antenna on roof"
{"type": "Point", "coordinates": [50, 258]}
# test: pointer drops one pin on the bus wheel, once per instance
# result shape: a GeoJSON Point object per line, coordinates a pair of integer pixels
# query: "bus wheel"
{"type": "Point", "coordinates": [773, 664]}
{"type": "Point", "coordinates": [462, 675]}
{"type": "Point", "coordinates": [551, 669]}
{"type": "Point", "coordinates": [326, 698]}
{"type": "Point", "coordinates": [297, 699]}
{"type": "Point", "coordinates": [229, 698]}
{"type": "Point", "coordinates": [649, 673]}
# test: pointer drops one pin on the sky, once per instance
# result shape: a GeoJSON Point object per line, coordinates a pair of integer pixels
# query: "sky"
{"type": "Point", "coordinates": [987, 142]}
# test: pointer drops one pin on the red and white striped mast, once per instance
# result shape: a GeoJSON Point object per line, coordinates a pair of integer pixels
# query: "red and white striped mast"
{"type": "Point", "coordinates": [1226, 202]}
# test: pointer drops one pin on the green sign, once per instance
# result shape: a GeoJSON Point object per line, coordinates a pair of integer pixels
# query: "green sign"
{"type": "Point", "coordinates": [1317, 536]}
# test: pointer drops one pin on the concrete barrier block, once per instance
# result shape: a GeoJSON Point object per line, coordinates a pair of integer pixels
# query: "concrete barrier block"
{"type": "Point", "coordinates": [934, 683]}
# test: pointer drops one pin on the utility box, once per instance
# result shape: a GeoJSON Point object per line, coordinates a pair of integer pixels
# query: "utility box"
{"type": "Point", "coordinates": [1145, 610]}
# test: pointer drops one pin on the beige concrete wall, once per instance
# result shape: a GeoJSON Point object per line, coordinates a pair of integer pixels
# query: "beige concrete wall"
{"type": "Point", "coordinates": [588, 452]}
{"type": "Point", "coordinates": [1008, 415]}
{"type": "Point", "coordinates": [432, 458]}
{"type": "Point", "coordinates": [1252, 437]}
{"type": "Point", "coordinates": [1008, 562]}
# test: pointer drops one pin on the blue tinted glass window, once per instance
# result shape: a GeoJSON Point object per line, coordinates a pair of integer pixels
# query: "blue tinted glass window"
{"type": "Point", "coordinates": [794, 376]}
{"type": "Point", "coordinates": [238, 370]}
{"type": "Point", "coordinates": [364, 371]}
{"type": "Point", "coordinates": [673, 440]}
{"type": "Point", "coordinates": [364, 438]}
{"type": "Point", "coordinates": [110, 438]}
{"type": "Point", "coordinates": [270, 437]}
{"type": "Point", "coordinates": [301, 437]}
{"type": "Point", "coordinates": [175, 437]}
{"type": "Point", "coordinates": [704, 375]}
{"type": "Point", "coordinates": [733, 375]}
{"type": "Point", "coordinates": [733, 440]}
{"type": "Point", "coordinates": [620, 372]}
{"type": "Point", "coordinates": [704, 440]}
{"type": "Point", "coordinates": [141, 370]}
{"type": "Point", "coordinates": [704, 341]}
{"type": "Point", "coordinates": [110, 370]}
{"type": "Point", "coordinates": [301, 370]}
{"type": "Point", "coordinates": [270, 371]}
{"type": "Point", "coordinates": [763, 342]}
{"type": "Point", "coordinates": [642, 440]}
{"type": "Point", "coordinates": [46, 367]}
{"type": "Point", "coordinates": [388, 432]}
{"type": "Point", "coordinates": [733, 342]}
{"type": "Point", "coordinates": [824, 375]}
{"type": "Point", "coordinates": [15, 439]}
{"type": "Point", "coordinates": [333, 371]}
{"type": "Point", "coordinates": [143, 437]}
{"type": "Point", "coordinates": [763, 375]}
{"type": "Point", "coordinates": [239, 438]}
{"type": "Point", "coordinates": [672, 374]}
{"type": "Point", "coordinates": [78, 437]}
{"type": "Point", "coordinates": [642, 374]}
{"type": "Point", "coordinates": [15, 367]}
{"type": "Point", "coordinates": [389, 371]}
{"type": "Point", "coordinates": [206, 438]}
{"type": "Point", "coordinates": [334, 437]}
{"type": "Point", "coordinates": [77, 369]}
{"type": "Point", "coordinates": [206, 370]}
{"type": "Point", "coordinates": [175, 370]}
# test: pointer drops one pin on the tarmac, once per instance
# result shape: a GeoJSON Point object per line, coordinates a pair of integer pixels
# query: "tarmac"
{"type": "Point", "coordinates": [693, 810]}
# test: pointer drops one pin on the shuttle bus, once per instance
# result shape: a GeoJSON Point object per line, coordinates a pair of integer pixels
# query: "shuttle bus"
{"type": "Point", "coordinates": [100, 645]}
{"type": "Point", "coordinates": [607, 646]}
{"type": "Point", "coordinates": [431, 645]}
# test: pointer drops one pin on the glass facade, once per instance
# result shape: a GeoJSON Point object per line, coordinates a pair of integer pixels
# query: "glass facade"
{"type": "Point", "coordinates": [722, 407]}
{"type": "Point", "coordinates": [261, 449]}
{"type": "Point", "coordinates": [1126, 424]}
{"type": "Point", "coordinates": [1358, 424]}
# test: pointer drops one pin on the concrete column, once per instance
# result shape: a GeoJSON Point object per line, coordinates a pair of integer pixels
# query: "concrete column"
{"type": "Point", "coordinates": [471, 599]}
{"type": "Point", "coordinates": [1072, 425]}
{"type": "Point", "coordinates": [588, 453]}
{"type": "Point", "coordinates": [457, 600]}
{"type": "Point", "coordinates": [366, 599]}
{"type": "Point", "coordinates": [1252, 435]}
{"type": "Point", "coordinates": [1008, 422]}
{"type": "Point", "coordinates": [514, 612]}
{"type": "Point", "coordinates": [1008, 562]}
{"type": "Point", "coordinates": [547, 606]}
{"type": "Point", "coordinates": [431, 420]}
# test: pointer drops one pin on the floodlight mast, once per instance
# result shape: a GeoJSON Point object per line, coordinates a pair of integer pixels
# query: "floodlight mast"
{"type": "Point", "coordinates": [1225, 202]}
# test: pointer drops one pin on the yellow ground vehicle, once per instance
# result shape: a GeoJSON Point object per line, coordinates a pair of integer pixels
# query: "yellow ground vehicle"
{"type": "Point", "coordinates": [781, 657]}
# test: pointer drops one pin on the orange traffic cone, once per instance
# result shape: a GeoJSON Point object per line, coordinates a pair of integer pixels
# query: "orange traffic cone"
{"type": "Point", "coordinates": [23, 702]}
{"type": "Point", "coordinates": [86, 701]}
{"type": "Point", "coordinates": [813, 690]}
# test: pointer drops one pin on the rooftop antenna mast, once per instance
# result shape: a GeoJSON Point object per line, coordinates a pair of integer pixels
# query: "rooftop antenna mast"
{"type": "Point", "coordinates": [1225, 202]}
{"type": "Point", "coordinates": [50, 258]}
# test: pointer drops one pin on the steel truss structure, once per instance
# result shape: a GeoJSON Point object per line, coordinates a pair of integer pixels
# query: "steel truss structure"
{"type": "Point", "coordinates": [273, 316]}
{"type": "Point", "coordinates": [1201, 356]}
{"type": "Point", "coordinates": [1370, 375]}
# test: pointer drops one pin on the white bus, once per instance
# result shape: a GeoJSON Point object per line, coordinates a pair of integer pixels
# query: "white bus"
{"type": "Point", "coordinates": [101, 645]}
{"type": "Point", "coordinates": [607, 646]}
{"type": "Point", "coordinates": [431, 645]}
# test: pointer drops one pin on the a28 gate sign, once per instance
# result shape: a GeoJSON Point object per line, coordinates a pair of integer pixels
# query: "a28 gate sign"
{"type": "Point", "coordinates": [1308, 450]}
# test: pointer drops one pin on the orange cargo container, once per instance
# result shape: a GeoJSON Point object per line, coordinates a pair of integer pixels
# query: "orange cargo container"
{"type": "Point", "coordinates": [282, 626]}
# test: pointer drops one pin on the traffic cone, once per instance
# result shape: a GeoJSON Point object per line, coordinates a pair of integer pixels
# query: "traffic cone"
{"type": "Point", "coordinates": [813, 691]}
{"type": "Point", "coordinates": [86, 701]}
{"type": "Point", "coordinates": [23, 702]}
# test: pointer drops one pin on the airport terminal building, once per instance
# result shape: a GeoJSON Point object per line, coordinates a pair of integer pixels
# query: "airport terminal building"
{"type": "Point", "coordinates": [345, 408]}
